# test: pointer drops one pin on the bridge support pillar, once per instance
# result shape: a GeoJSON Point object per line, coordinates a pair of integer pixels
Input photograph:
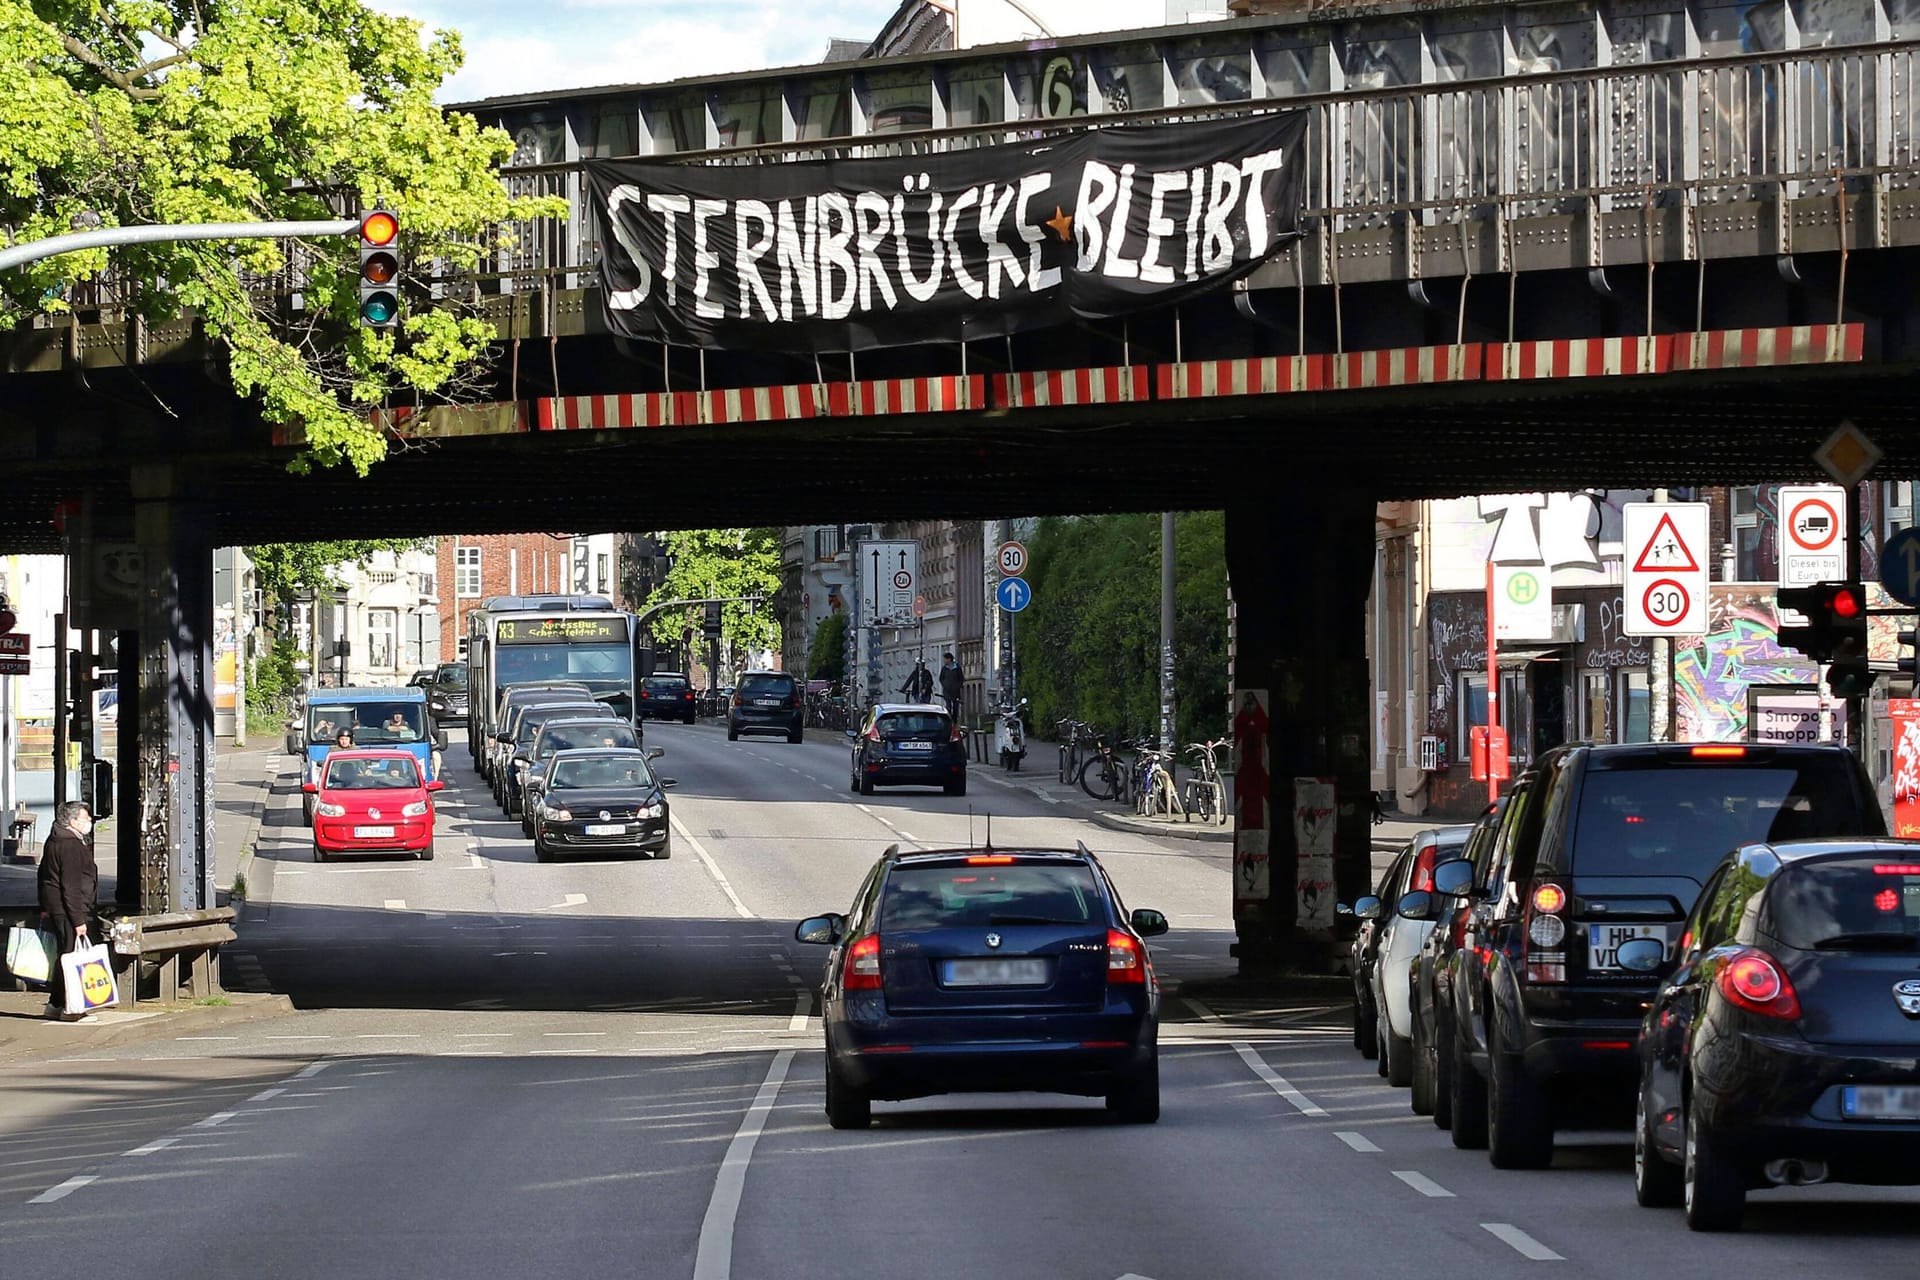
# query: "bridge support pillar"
{"type": "Point", "coordinates": [172, 527]}
{"type": "Point", "coordinates": [1300, 560]}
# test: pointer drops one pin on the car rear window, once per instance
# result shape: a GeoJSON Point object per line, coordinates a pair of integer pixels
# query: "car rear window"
{"type": "Point", "coordinates": [766, 686]}
{"type": "Point", "coordinates": [913, 722]}
{"type": "Point", "coordinates": [1866, 903]}
{"type": "Point", "coordinates": [666, 684]}
{"type": "Point", "coordinates": [1677, 818]}
{"type": "Point", "coordinates": [967, 896]}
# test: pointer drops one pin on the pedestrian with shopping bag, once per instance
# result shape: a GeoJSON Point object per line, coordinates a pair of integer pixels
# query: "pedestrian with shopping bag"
{"type": "Point", "coordinates": [69, 883]}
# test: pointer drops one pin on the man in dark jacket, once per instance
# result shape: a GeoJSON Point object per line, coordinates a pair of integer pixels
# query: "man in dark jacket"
{"type": "Point", "coordinates": [69, 882]}
{"type": "Point", "coordinates": [919, 685]}
{"type": "Point", "coordinates": [951, 682]}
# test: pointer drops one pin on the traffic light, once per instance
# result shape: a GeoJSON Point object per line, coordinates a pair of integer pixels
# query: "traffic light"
{"type": "Point", "coordinates": [1815, 636]}
{"type": "Point", "coordinates": [712, 628]}
{"type": "Point", "coordinates": [379, 269]}
{"type": "Point", "coordinates": [1909, 662]}
{"type": "Point", "coordinates": [1848, 675]}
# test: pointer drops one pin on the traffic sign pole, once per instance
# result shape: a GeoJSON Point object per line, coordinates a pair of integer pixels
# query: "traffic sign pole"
{"type": "Point", "coordinates": [1493, 686]}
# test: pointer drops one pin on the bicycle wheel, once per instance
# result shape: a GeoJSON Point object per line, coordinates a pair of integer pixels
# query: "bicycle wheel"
{"type": "Point", "coordinates": [1100, 778]}
{"type": "Point", "coordinates": [1166, 795]}
{"type": "Point", "coordinates": [1066, 763]}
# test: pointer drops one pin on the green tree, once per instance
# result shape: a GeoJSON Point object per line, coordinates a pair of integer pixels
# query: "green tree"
{"type": "Point", "coordinates": [827, 657]}
{"type": "Point", "coordinates": [1090, 641]}
{"type": "Point", "coordinates": [143, 112]}
{"type": "Point", "coordinates": [717, 563]}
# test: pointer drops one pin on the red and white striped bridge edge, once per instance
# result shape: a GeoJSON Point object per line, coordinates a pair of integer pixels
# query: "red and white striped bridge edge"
{"type": "Point", "coordinates": [1270, 375]}
{"type": "Point", "coordinates": [1115, 384]}
{"type": "Point", "coordinates": [1677, 352]}
{"type": "Point", "coordinates": [1578, 358]}
{"type": "Point", "coordinates": [873, 397]}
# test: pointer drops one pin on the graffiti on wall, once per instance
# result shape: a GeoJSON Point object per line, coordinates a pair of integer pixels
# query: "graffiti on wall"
{"type": "Point", "coordinates": [1456, 642]}
{"type": "Point", "coordinates": [1711, 675]}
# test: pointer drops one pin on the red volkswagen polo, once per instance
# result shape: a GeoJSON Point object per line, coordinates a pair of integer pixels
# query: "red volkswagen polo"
{"type": "Point", "coordinates": [372, 801]}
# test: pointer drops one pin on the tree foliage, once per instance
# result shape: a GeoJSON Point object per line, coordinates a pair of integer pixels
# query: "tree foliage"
{"type": "Point", "coordinates": [827, 656]}
{"type": "Point", "coordinates": [715, 563]}
{"type": "Point", "coordinates": [288, 570]}
{"type": "Point", "coordinates": [1089, 643]}
{"type": "Point", "coordinates": [144, 112]}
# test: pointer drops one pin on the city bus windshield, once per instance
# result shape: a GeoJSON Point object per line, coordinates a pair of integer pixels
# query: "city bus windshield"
{"type": "Point", "coordinates": [594, 664]}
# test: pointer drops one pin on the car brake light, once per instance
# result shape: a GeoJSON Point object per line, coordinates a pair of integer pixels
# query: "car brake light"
{"type": "Point", "coordinates": [873, 734]}
{"type": "Point", "coordinates": [1719, 752]}
{"type": "Point", "coordinates": [958, 734]}
{"type": "Point", "coordinates": [1125, 964]}
{"type": "Point", "coordinates": [862, 972]}
{"type": "Point", "coordinates": [1544, 955]}
{"type": "Point", "coordinates": [1752, 980]}
{"type": "Point", "coordinates": [1423, 869]}
{"type": "Point", "coordinates": [990, 860]}
{"type": "Point", "coordinates": [1897, 869]}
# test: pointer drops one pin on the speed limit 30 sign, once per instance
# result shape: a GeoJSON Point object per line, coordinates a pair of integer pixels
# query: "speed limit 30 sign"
{"type": "Point", "coordinates": [1665, 587]}
{"type": "Point", "coordinates": [1012, 559]}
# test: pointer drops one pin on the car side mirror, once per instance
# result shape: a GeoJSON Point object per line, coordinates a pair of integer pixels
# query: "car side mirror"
{"type": "Point", "coordinates": [1148, 923]}
{"type": "Point", "coordinates": [436, 785]}
{"type": "Point", "coordinates": [1453, 878]}
{"type": "Point", "coordinates": [1417, 905]}
{"type": "Point", "coordinates": [820, 930]}
{"type": "Point", "coordinates": [440, 739]}
{"type": "Point", "coordinates": [1367, 908]}
{"type": "Point", "coordinates": [853, 733]}
{"type": "Point", "coordinates": [668, 784]}
{"type": "Point", "coordinates": [311, 788]}
{"type": "Point", "coordinates": [654, 753]}
{"type": "Point", "coordinates": [1643, 955]}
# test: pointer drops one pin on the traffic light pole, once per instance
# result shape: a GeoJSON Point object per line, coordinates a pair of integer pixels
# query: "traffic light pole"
{"type": "Point", "coordinates": [1856, 703]}
{"type": "Point", "coordinates": [20, 255]}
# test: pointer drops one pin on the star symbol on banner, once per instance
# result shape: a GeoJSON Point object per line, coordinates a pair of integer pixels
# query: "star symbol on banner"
{"type": "Point", "coordinates": [1062, 223]}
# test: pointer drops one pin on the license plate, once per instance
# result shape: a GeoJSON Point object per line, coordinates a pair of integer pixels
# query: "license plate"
{"type": "Point", "coordinates": [1880, 1102]}
{"type": "Point", "coordinates": [606, 829]}
{"type": "Point", "coordinates": [373, 833]}
{"type": "Point", "coordinates": [913, 746]}
{"type": "Point", "coordinates": [1604, 942]}
{"type": "Point", "coordinates": [995, 973]}
{"type": "Point", "coordinates": [766, 702]}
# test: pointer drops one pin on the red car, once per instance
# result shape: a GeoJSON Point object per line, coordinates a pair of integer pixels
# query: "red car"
{"type": "Point", "coordinates": [372, 801]}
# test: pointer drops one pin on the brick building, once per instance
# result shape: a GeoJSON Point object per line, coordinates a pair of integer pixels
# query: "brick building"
{"type": "Point", "coordinates": [475, 566]}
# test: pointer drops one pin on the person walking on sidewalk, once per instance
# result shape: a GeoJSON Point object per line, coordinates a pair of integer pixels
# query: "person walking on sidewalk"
{"type": "Point", "coordinates": [919, 685]}
{"type": "Point", "coordinates": [69, 882]}
{"type": "Point", "coordinates": [951, 682]}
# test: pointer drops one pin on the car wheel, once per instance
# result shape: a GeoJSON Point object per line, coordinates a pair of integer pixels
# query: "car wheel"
{"type": "Point", "coordinates": [853, 780]}
{"type": "Point", "coordinates": [1422, 1099]}
{"type": "Point", "coordinates": [425, 855]}
{"type": "Point", "coordinates": [1657, 1183]}
{"type": "Point", "coordinates": [319, 854]}
{"type": "Point", "coordinates": [1379, 1046]}
{"type": "Point", "coordinates": [1440, 1051]}
{"type": "Point", "coordinates": [1366, 1036]}
{"type": "Point", "coordinates": [306, 809]}
{"type": "Point", "coordinates": [956, 788]}
{"type": "Point", "coordinates": [866, 785]}
{"type": "Point", "coordinates": [1466, 1101]}
{"type": "Point", "coordinates": [1519, 1120]}
{"type": "Point", "coordinates": [1138, 1100]}
{"type": "Point", "coordinates": [1715, 1189]}
{"type": "Point", "coordinates": [795, 736]}
{"type": "Point", "coordinates": [847, 1107]}
{"type": "Point", "coordinates": [733, 734]}
{"type": "Point", "coordinates": [1398, 1055]}
{"type": "Point", "coordinates": [540, 852]}
{"type": "Point", "coordinates": [665, 850]}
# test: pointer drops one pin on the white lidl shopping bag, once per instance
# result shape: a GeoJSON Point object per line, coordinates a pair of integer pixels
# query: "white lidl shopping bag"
{"type": "Point", "coordinates": [89, 977]}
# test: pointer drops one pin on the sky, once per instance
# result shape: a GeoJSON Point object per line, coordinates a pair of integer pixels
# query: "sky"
{"type": "Point", "coordinates": [523, 46]}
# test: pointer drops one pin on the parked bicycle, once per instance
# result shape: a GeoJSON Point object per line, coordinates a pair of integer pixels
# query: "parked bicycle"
{"type": "Point", "coordinates": [1205, 794]}
{"type": "Point", "coordinates": [1105, 776]}
{"type": "Point", "coordinates": [1155, 791]}
{"type": "Point", "coordinates": [1076, 737]}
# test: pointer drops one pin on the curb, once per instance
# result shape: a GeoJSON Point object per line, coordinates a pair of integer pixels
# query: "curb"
{"type": "Point", "coordinates": [1104, 818]}
{"type": "Point", "coordinates": [250, 838]}
{"type": "Point", "coordinates": [172, 1020]}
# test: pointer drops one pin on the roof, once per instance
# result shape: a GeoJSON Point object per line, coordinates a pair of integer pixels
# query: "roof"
{"type": "Point", "coordinates": [1078, 853]}
{"type": "Point", "coordinates": [370, 753]}
{"type": "Point", "coordinates": [1825, 846]}
{"type": "Point", "coordinates": [909, 706]}
{"type": "Point", "coordinates": [1636, 752]}
{"type": "Point", "coordinates": [368, 693]}
{"type": "Point", "coordinates": [603, 751]}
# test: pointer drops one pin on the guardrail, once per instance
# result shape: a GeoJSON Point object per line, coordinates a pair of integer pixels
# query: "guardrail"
{"type": "Point", "coordinates": [183, 946]}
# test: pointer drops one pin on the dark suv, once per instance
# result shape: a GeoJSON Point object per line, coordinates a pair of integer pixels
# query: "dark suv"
{"type": "Point", "coordinates": [766, 702]}
{"type": "Point", "coordinates": [1600, 845]}
{"type": "Point", "coordinates": [666, 695]}
{"type": "Point", "coordinates": [447, 693]}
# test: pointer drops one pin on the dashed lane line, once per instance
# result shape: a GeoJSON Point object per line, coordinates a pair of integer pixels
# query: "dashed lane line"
{"type": "Point", "coordinates": [1423, 1184]}
{"type": "Point", "coordinates": [1522, 1243]}
{"type": "Point", "coordinates": [802, 1007]}
{"type": "Point", "coordinates": [714, 1258]}
{"type": "Point", "coordinates": [1358, 1141]}
{"type": "Point", "coordinates": [65, 1189]}
{"type": "Point", "coordinates": [1276, 1082]}
{"type": "Point", "coordinates": [713, 868]}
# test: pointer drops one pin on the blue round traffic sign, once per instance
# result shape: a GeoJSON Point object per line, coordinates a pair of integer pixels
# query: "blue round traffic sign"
{"type": "Point", "coordinates": [1900, 566]}
{"type": "Point", "coordinates": [1013, 594]}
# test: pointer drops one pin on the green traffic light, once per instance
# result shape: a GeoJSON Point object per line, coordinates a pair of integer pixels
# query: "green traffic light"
{"type": "Point", "coordinates": [379, 308]}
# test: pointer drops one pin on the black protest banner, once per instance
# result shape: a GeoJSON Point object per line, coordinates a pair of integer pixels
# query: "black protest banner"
{"type": "Point", "coordinates": [846, 255]}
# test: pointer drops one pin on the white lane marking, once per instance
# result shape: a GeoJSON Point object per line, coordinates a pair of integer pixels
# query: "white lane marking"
{"type": "Point", "coordinates": [802, 1006]}
{"type": "Point", "coordinates": [1276, 1082]}
{"type": "Point", "coordinates": [213, 1121]}
{"type": "Point", "coordinates": [1523, 1243]}
{"type": "Point", "coordinates": [396, 904]}
{"type": "Point", "coordinates": [714, 1258]}
{"type": "Point", "coordinates": [64, 1190]}
{"type": "Point", "coordinates": [388, 1035]}
{"type": "Point", "coordinates": [573, 900]}
{"type": "Point", "coordinates": [1423, 1184]}
{"type": "Point", "coordinates": [264, 1094]}
{"type": "Point", "coordinates": [311, 1070]}
{"type": "Point", "coordinates": [1201, 1011]}
{"type": "Point", "coordinates": [1358, 1141]}
{"type": "Point", "coordinates": [158, 1144]}
{"type": "Point", "coordinates": [571, 1034]}
{"type": "Point", "coordinates": [206, 1037]}
{"type": "Point", "coordinates": [713, 869]}
{"type": "Point", "coordinates": [299, 1037]}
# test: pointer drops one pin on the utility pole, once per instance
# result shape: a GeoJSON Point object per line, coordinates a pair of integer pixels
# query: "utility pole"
{"type": "Point", "coordinates": [1167, 735]}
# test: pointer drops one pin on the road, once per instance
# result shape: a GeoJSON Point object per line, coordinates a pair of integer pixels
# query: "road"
{"type": "Point", "coordinates": [502, 1068]}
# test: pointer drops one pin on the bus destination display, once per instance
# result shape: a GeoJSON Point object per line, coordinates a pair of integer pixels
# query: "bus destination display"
{"type": "Point", "coordinates": [570, 629]}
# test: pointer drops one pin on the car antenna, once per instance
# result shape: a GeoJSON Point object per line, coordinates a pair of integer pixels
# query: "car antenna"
{"type": "Point", "coordinates": [989, 845]}
{"type": "Point", "coordinates": [969, 826]}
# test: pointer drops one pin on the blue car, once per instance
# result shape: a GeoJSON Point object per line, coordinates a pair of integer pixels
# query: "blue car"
{"type": "Point", "coordinates": [989, 970]}
{"type": "Point", "coordinates": [374, 717]}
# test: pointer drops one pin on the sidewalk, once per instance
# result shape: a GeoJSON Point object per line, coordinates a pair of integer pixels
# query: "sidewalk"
{"type": "Point", "coordinates": [243, 781]}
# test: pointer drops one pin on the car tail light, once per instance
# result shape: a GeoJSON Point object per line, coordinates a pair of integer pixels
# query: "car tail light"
{"type": "Point", "coordinates": [1546, 934]}
{"type": "Point", "coordinates": [990, 860]}
{"type": "Point", "coordinates": [418, 809]}
{"type": "Point", "coordinates": [1752, 980]}
{"type": "Point", "coordinates": [873, 734]}
{"type": "Point", "coordinates": [1423, 869]}
{"type": "Point", "coordinates": [1896, 869]}
{"type": "Point", "coordinates": [862, 971]}
{"type": "Point", "coordinates": [1125, 962]}
{"type": "Point", "coordinates": [958, 734]}
{"type": "Point", "coordinates": [736, 700]}
{"type": "Point", "coordinates": [1719, 752]}
{"type": "Point", "coordinates": [644, 695]}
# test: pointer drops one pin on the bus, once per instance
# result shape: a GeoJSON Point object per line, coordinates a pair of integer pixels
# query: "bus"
{"type": "Point", "coordinates": [523, 639]}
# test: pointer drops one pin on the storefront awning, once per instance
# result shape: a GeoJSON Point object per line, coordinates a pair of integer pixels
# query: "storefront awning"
{"type": "Point", "coordinates": [1514, 659]}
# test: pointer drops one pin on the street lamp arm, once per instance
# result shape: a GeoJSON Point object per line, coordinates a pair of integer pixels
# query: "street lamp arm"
{"type": "Point", "coordinates": [114, 237]}
{"type": "Point", "coordinates": [655, 610]}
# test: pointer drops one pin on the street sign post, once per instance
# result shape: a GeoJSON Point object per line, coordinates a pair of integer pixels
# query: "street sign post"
{"type": "Point", "coordinates": [1012, 558]}
{"type": "Point", "coordinates": [1665, 586]}
{"type": "Point", "coordinates": [1013, 594]}
{"type": "Point", "coordinates": [1522, 602]}
{"type": "Point", "coordinates": [1899, 567]}
{"type": "Point", "coordinates": [16, 654]}
{"type": "Point", "coordinates": [889, 578]}
{"type": "Point", "coordinates": [1813, 522]}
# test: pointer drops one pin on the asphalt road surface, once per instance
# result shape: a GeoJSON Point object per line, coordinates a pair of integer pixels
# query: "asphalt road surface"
{"type": "Point", "coordinates": [502, 1068]}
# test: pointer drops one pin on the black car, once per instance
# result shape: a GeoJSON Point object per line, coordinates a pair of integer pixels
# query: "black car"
{"type": "Point", "coordinates": [1784, 1049]}
{"type": "Point", "coordinates": [569, 733]}
{"type": "Point", "coordinates": [766, 702]}
{"type": "Point", "coordinates": [516, 744]}
{"type": "Point", "coordinates": [447, 693]}
{"type": "Point", "coordinates": [486, 751]}
{"type": "Point", "coordinates": [1601, 845]}
{"type": "Point", "coordinates": [667, 695]}
{"type": "Point", "coordinates": [989, 970]}
{"type": "Point", "coordinates": [1365, 951]}
{"type": "Point", "coordinates": [600, 802]}
{"type": "Point", "coordinates": [1430, 980]}
{"type": "Point", "coordinates": [906, 744]}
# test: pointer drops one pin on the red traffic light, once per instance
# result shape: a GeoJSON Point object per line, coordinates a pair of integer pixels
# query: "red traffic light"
{"type": "Point", "coordinates": [1845, 603]}
{"type": "Point", "coordinates": [379, 228]}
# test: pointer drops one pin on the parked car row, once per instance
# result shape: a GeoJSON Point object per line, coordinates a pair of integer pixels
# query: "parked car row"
{"type": "Point", "coordinates": [1714, 944]}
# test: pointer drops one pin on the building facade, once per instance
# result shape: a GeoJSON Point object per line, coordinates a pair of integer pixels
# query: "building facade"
{"type": "Point", "coordinates": [470, 567]}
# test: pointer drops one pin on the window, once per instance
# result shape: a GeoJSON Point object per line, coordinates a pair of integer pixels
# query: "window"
{"type": "Point", "coordinates": [381, 625]}
{"type": "Point", "coordinates": [1593, 706]}
{"type": "Point", "coordinates": [466, 572]}
{"type": "Point", "coordinates": [1472, 702]}
{"type": "Point", "coordinates": [602, 570]}
{"type": "Point", "coordinates": [1633, 701]}
{"type": "Point", "coordinates": [827, 542]}
{"type": "Point", "coordinates": [1745, 502]}
{"type": "Point", "coordinates": [460, 648]}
